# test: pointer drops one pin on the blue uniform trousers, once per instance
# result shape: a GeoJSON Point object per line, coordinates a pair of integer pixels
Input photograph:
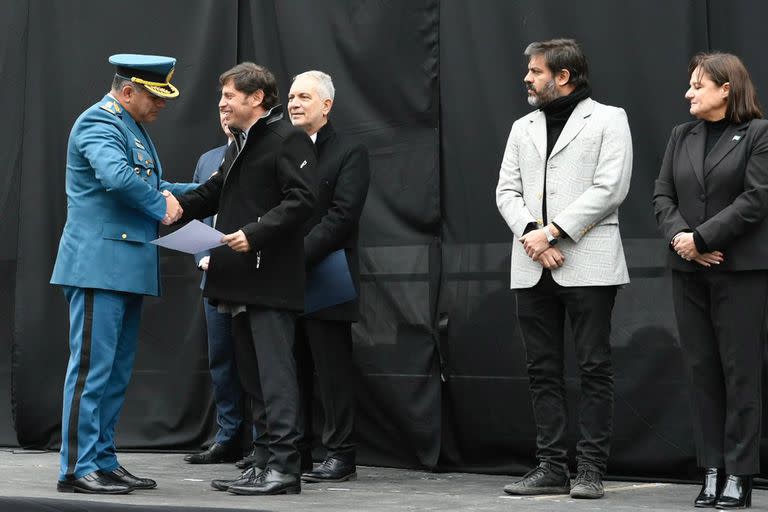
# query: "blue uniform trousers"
{"type": "Point", "coordinates": [227, 390]}
{"type": "Point", "coordinates": [103, 332]}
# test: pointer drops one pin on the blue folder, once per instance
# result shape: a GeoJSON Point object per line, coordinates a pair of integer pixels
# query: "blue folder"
{"type": "Point", "coordinates": [329, 283]}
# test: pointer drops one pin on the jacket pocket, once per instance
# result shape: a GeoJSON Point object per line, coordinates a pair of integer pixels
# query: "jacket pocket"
{"type": "Point", "coordinates": [120, 232]}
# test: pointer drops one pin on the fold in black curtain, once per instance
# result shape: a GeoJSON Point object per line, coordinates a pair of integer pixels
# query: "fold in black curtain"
{"type": "Point", "coordinates": [168, 402]}
{"type": "Point", "coordinates": [13, 46]}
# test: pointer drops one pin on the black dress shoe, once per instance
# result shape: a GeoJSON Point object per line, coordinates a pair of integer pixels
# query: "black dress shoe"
{"type": "Point", "coordinates": [92, 483]}
{"type": "Point", "coordinates": [710, 488]}
{"type": "Point", "coordinates": [123, 477]}
{"type": "Point", "coordinates": [245, 477]}
{"type": "Point", "coordinates": [331, 470]}
{"type": "Point", "coordinates": [269, 482]}
{"type": "Point", "coordinates": [216, 454]}
{"type": "Point", "coordinates": [736, 493]}
{"type": "Point", "coordinates": [253, 458]}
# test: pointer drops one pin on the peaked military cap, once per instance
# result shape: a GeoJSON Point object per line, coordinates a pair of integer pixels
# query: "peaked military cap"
{"type": "Point", "coordinates": [154, 72]}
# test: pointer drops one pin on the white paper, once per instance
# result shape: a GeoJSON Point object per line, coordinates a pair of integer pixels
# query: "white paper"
{"type": "Point", "coordinates": [192, 238]}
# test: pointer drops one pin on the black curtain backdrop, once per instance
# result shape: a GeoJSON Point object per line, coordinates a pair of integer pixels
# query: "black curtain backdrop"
{"type": "Point", "coordinates": [13, 45]}
{"type": "Point", "coordinates": [432, 87]}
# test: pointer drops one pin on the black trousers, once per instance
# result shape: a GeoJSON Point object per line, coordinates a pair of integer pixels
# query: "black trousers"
{"type": "Point", "coordinates": [325, 347]}
{"type": "Point", "coordinates": [721, 319]}
{"type": "Point", "coordinates": [541, 315]}
{"type": "Point", "coordinates": [264, 342]}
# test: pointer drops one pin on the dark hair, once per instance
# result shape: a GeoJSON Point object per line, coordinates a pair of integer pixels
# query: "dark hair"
{"type": "Point", "coordinates": [742, 104]}
{"type": "Point", "coordinates": [249, 78]}
{"type": "Point", "coordinates": [562, 54]}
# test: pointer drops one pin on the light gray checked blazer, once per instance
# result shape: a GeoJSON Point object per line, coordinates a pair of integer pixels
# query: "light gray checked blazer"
{"type": "Point", "coordinates": [588, 177]}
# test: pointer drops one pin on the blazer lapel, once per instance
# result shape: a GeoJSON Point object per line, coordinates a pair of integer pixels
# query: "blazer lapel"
{"type": "Point", "coordinates": [574, 125]}
{"type": "Point", "coordinates": [695, 142]}
{"type": "Point", "coordinates": [537, 129]}
{"type": "Point", "coordinates": [727, 141]}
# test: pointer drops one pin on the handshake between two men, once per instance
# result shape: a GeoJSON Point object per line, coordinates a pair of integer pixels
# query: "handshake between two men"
{"type": "Point", "coordinates": [173, 212]}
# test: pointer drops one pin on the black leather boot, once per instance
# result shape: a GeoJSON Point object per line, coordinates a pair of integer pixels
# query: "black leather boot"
{"type": "Point", "coordinates": [710, 488]}
{"type": "Point", "coordinates": [736, 493]}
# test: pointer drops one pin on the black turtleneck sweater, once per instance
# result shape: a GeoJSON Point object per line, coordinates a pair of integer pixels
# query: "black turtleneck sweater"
{"type": "Point", "coordinates": [557, 112]}
{"type": "Point", "coordinates": [715, 130]}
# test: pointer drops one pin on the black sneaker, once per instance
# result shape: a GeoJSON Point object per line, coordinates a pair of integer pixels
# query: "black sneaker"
{"type": "Point", "coordinates": [543, 479]}
{"type": "Point", "coordinates": [588, 484]}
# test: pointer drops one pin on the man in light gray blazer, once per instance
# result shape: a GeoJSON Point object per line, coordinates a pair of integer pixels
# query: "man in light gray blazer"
{"type": "Point", "coordinates": [566, 170]}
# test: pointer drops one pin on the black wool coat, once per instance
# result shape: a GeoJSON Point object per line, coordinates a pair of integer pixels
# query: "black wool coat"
{"type": "Point", "coordinates": [268, 194]}
{"type": "Point", "coordinates": [342, 177]}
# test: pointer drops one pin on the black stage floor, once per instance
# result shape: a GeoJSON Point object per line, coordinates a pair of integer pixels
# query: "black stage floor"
{"type": "Point", "coordinates": [28, 484]}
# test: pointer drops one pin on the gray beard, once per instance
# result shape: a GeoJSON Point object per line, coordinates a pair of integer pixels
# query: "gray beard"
{"type": "Point", "coordinates": [547, 94]}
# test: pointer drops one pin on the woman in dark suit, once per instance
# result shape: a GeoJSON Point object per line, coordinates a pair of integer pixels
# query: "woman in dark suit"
{"type": "Point", "coordinates": [711, 201]}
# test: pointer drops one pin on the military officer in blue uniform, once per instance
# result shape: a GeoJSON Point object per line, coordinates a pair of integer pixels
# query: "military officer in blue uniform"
{"type": "Point", "coordinates": [115, 199]}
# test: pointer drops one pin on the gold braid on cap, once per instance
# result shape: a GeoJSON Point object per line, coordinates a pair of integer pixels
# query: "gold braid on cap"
{"type": "Point", "coordinates": [164, 90]}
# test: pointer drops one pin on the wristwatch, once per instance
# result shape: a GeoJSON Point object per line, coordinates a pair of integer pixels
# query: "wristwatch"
{"type": "Point", "coordinates": [551, 239]}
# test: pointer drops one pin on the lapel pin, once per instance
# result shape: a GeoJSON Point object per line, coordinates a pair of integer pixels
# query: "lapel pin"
{"type": "Point", "coordinates": [737, 138]}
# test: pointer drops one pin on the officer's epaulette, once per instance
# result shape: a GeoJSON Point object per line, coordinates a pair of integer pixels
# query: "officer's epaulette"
{"type": "Point", "coordinates": [112, 106]}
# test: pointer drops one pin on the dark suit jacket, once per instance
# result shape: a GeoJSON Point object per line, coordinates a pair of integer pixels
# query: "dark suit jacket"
{"type": "Point", "coordinates": [208, 163]}
{"type": "Point", "coordinates": [724, 197]}
{"type": "Point", "coordinates": [268, 194]}
{"type": "Point", "coordinates": [342, 178]}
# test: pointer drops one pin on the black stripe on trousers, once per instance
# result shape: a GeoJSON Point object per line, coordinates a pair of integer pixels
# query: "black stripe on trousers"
{"type": "Point", "coordinates": [82, 374]}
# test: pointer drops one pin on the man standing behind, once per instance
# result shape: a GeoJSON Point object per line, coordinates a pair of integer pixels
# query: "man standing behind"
{"type": "Point", "coordinates": [566, 169]}
{"type": "Point", "coordinates": [342, 178]}
{"type": "Point", "coordinates": [115, 198]}
{"type": "Point", "coordinates": [227, 391]}
{"type": "Point", "coordinates": [262, 200]}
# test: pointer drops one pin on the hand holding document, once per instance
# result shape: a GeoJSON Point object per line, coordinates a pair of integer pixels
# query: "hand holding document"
{"type": "Point", "coordinates": [192, 238]}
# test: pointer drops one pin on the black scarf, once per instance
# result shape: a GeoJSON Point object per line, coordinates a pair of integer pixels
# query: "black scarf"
{"type": "Point", "coordinates": [559, 110]}
{"type": "Point", "coordinates": [557, 113]}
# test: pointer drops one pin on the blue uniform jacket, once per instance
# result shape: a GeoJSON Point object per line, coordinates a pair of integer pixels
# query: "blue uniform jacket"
{"type": "Point", "coordinates": [208, 163]}
{"type": "Point", "coordinates": [114, 203]}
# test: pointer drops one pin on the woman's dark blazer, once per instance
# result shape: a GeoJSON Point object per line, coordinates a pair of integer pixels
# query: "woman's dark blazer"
{"type": "Point", "coordinates": [724, 197]}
